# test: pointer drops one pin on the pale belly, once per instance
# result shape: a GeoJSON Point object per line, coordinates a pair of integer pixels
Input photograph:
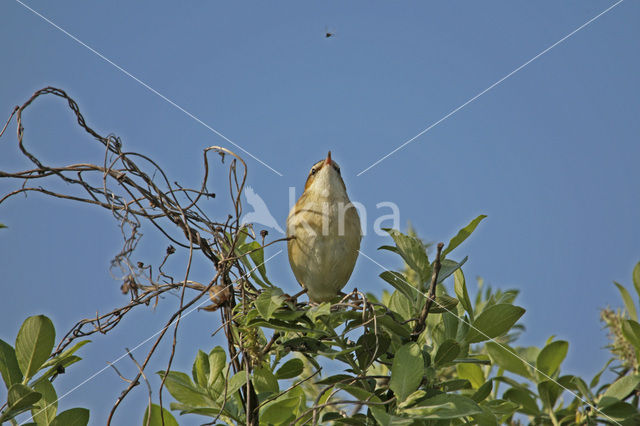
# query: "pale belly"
{"type": "Point", "coordinates": [324, 251]}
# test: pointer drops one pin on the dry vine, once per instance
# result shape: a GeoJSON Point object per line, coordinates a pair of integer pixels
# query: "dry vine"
{"type": "Point", "coordinates": [136, 190]}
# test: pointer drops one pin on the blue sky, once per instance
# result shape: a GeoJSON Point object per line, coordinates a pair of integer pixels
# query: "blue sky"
{"type": "Point", "coordinates": [550, 155]}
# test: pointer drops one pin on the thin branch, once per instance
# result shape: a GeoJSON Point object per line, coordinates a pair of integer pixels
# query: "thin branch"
{"type": "Point", "coordinates": [431, 297]}
{"type": "Point", "coordinates": [137, 191]}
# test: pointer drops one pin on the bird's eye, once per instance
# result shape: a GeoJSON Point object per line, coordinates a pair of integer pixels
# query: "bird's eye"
{"type": "Point", "coordinates": [313, 171]}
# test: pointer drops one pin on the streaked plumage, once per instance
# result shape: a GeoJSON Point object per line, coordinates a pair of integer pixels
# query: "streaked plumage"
{"type": "Point", "coordinates": [326, 231]}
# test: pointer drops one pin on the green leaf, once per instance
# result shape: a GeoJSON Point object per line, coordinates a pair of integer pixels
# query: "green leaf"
{"type": "Point", "coordinates": [242, 251]}
{"type": "Point", "coordinates": [400, 304]}
{"type": "Point", "coordinates": [463, 325]}
{"type": "Point", "coordinates": [406, 371]}
{"type": "Point", "coordinates": [447, 352]}
{"type": "Point", "coordinates": [280, 411]}
{"type": "Point", "coordinates": [34, 344]}
{"type": "Point", "coordinates": [65, 354]}
{"type": "Point", "coordinates": [619, 390]}
{"type": "Point", "coordinates": [217, 362]}
{"type": "Point", "coordinates": [472, 372]}
{"type": "Point", "coordinates": [549, 391]}
{"type": "Point", "coordinates": [393, 327]}
{"type": "Point", "coordinates": [58, 368]}
{"type": "Point", "coordinates": [157, 416]}
{"type": "Point", "coordinates": [72, 417]}
{"type": "Point", "coordinates": [636, 278]}
{"type": "Point", "coordinates": [204, 411]}
{"type": "Point", "coordinates": [463, 234]}
{"type": "Point", "coordinates": [483, 391]}
{"type": "Point", "coordinates": [9, 368]}
{"type": "Point", "coordinates": [454, 385]}
{"type": "Point", "coordinates": [445, 406]}
{"type": "Point", "coordinates": [582, 387]}
{"type": "Point", "coordinates": [21, 397]}
{"type": "Point", "coordinates": [486, 418]}
{"type": "Point", "coordinates": [550, 358]}
{"type": "Point", "coordinates": [331, 416]}
{"type": "Point", "coordinates": [2, 225]}
{"type": "Point", "coordinates": [413, 252]}
{"type": "Point", "coordinates": [44, 411]}
{"type": "Point", "coordinates": [443, 303]}
{"type": "Point", "coordinates": [622, 411]}
{"type": "Point", "coordinates": [371, 346]}
{"type": "Point", "coordinates": [287, 315]}
{"type": "Point", "coordinates": [332, 380]}
{"type": "Point", "coordinates": [449, 267]}
{"type": "Point", "coordinates": [501, 408]}
{"type": "Point", "coordinates": [290, 369]}
{"type": "Point", "coordinates": [359, 393]}
{"type": "Point", "coordinates": [524, 399]}
{"type": "Point", "coordinates": [282, 326]}
{"type": "Point", "coordinates": [400, 283]}
{"type": "Point", "coordinates": [264, 380]}
{"type": "Point", "coordinates": [494, 321]}
{"type": "Point", "coordinates": [596, 379]}
{"type": "Point", "coordinates": [472, 361]}
{"type": "Point", "coordinates": [631, 331]}
{"type": "Point", "coordinates": [386, 419]}
{"type": "Point", "coordinates": [529, 354]}
{"type": "Point", "coordinates": [507, 358]}
{"type": "Point", "coordinates": [628, 302]}
{"type": "Point", "coordinates": [200, 369]}
{"type": "Point", "coordinates": [305, 345]}
{"type": "Point", "coordinates": [237, 381]}
{"type": "Point", "coordinates": [323, 309]}
{"type": "Point", "coordinates": [181, 388]}
{"type": "Point", "coordinates": [256, 252]}
{"type": "Point", "coordinates": [269, 301]}
{"type": "Point", "coordinates": [393, 249]}
{"type": "Point", "coordinates": [460, 288]}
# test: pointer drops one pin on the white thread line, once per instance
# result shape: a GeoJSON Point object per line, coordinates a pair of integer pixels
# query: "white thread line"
{"type": "Point", "coordinates": [109, 364]}
{"type": "Point", "coordinates": [497, 343]}
{"type": "Point", "coordinates": [491, 87]}
{"type": "Point", "coordinates": [151, 89]}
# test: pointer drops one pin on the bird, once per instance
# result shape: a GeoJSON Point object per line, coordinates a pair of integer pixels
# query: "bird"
{"type": "Point", "coordinates": [324, 233]}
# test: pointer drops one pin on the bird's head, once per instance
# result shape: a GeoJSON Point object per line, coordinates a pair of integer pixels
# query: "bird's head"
{"type": "Point", "coordinates": [324, 178]}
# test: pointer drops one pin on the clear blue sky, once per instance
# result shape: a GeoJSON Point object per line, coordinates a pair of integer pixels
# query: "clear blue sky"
{"type": "Point", "coordinates": [551, 154]}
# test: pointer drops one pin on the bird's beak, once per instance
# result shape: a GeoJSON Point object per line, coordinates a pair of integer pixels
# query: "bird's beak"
{"type": "Point", "coordinates": [328, 160]}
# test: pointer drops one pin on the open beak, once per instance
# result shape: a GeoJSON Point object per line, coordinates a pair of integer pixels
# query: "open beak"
{"type": "Point", "coordinates": [328, 160]}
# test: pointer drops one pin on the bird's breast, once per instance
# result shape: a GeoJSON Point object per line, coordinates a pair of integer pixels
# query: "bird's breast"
{"type": "Point", "coordinates": [326, 238]}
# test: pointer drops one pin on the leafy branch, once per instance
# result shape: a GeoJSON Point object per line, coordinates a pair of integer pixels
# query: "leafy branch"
{"type": "Point", "coordinates": [355, 360]}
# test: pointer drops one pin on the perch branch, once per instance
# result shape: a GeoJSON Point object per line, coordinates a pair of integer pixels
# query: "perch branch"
{"type": "Point", "coordinates": [431, 297]}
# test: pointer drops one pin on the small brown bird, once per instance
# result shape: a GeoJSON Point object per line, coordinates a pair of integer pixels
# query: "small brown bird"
{"type": "Point", "coordinates": [325, 231]}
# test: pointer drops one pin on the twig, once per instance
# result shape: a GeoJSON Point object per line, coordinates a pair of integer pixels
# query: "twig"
{"type": "Point", "coordinates": [137, 191]}
{"type": "Point", "coordinates": [431, 297]}
{"type": "Point", "coordinates": [141, 371]}
{"type": "Point", "coordinates": [274, 337]}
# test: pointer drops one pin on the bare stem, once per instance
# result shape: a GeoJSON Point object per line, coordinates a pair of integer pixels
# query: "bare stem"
{"type": "Point", "coordinates": [431, 297]}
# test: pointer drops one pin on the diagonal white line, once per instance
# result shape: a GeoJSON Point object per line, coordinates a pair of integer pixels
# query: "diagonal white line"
{"type": "Point", "coordinates": [145, 85]}
{"type": "Point", "coordinates": [498, 343]}
{"type": "Point", "coordinates": [109, 364]}
{"type": "Point", "coordinates": [491, 87]}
